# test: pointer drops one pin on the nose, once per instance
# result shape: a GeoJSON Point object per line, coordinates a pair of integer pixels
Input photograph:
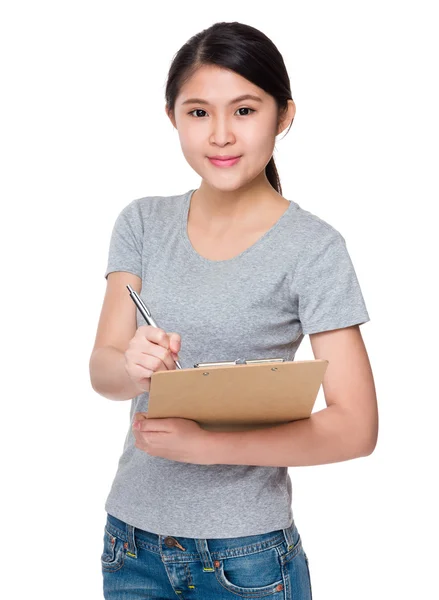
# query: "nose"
{"type": "Point", "coordinates": [222, 132]}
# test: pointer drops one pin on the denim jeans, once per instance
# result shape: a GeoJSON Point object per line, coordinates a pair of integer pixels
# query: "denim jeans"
{"type": "Point", "coordinates": [137, 564]}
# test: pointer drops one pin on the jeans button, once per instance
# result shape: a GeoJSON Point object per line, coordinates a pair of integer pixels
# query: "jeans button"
{"type": "Point", "coordinates": [169, 541]}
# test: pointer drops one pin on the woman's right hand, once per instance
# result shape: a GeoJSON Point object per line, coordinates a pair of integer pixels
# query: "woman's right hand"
{"type": "Point", "coordinates": [150, 350]}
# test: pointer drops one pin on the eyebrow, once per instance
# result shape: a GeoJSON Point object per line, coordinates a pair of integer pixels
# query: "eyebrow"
{"type": "Point", "coordinates": [238, 99]}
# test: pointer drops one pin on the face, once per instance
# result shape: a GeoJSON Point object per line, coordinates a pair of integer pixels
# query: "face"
{"type": "Point", "coordinates": [224, 126]}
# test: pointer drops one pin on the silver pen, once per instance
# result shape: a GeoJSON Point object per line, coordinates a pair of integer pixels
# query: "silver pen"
{"type": "Point", "coordinates": [145, 312]}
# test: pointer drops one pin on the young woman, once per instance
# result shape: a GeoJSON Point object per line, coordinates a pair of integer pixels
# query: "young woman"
{"type": "Point", "coordinates": [230, 269]}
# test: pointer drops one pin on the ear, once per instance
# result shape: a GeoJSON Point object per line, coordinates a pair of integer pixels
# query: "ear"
{"type": "Point", "coordinates": [286, 117]}
{"type": "Point", "coordinates": [170, 115]}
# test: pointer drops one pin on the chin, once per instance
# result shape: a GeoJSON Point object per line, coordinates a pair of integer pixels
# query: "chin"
{"type": "Point", "coordinates": [224, 186]}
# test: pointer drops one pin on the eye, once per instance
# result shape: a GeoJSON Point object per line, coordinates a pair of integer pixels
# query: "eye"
{"type": "Point", "coordinates": [198, 110]}
{"type": "Point", "coordinates": [246, 108]}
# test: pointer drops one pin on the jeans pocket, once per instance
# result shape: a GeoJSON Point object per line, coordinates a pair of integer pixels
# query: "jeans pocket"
{"type": "Point", "coordinates": [252, 575]}
{"type": "Point", "coordinates": [309, 575]}
{"type": "Point", "coordinates": [113, 555]}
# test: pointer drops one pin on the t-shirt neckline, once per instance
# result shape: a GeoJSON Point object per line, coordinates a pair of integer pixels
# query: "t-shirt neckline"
{"type": "Point", "coordinates": [207, 261]}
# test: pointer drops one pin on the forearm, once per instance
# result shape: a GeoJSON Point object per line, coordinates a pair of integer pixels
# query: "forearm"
{"type": "Point", "coordinates": [328, 436]}
{"type": "Point", "coordinates": [108, 375]}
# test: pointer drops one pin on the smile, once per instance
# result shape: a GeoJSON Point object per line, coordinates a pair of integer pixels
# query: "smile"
{"type": "Point", "coordinates": [224, 163]}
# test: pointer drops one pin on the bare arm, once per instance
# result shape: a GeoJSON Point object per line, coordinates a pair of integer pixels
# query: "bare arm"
{"type": "Point", "coordinates": [326, 437]}
{"type": "Point", "coordinates": [117, 325]}
{"type": "Point", "coordinates": [346, 429]}
{"type": "Point", "coordinates": [108, 375]}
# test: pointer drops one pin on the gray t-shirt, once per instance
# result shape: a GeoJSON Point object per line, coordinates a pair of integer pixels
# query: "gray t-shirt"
{"type": "Point", "coordinates": [296, 279]}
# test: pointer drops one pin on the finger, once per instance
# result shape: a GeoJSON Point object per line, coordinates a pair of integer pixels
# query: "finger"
{"type": "Point", "coordinates": [175, 342]}
{"type": "Point", "coordinates": [146, 425]}
{"type": "Point", "coordinates": [158, 358]}
{"type": "Point", "coordinates": [156, 335]}
{"type": "Point", "coordinates": [140, 416]}
{"type": "Point", "coordinates": [162, 352]}
{"type": "Point", "coordinates": [142, 358]}
{"type": "Point", "coordinates": [157, 343]}
{"type": "Point", "coordinates": [142, 371]}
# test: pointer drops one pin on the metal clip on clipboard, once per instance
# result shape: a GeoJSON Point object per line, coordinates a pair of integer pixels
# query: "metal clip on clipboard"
{"type": "Point", "coordinates": [238, 361]}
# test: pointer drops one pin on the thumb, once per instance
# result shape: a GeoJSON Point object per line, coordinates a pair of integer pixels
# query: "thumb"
{"type": "Point", "coordinates": [174, 342]}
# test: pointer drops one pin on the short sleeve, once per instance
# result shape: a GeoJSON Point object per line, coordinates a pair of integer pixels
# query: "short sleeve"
{"type": "Point", "coordinates": [328, 291]}
{"type": "Point", "coordinates": [126, 243]}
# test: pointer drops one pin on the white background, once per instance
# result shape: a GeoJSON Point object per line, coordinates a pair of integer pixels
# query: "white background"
{"type": "Point", "coordinates": [84, 132]}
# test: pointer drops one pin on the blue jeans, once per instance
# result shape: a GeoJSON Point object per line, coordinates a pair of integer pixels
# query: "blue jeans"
{"type": "Point", "coordinates": [137, 564]}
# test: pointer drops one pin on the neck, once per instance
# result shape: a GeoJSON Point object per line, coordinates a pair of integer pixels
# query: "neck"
{"type": "Point", "coordinates": [211, 203]}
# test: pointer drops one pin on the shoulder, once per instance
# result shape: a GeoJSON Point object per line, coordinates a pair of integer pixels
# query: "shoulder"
{"type": "Point", "coordinates": [150, 205]}
{"type": "Point", "coordinates": [313, 225]}
{"type": "Point", "coordinates": [313, 231]}
{"type": "Point", "coordinates": [139, 210]}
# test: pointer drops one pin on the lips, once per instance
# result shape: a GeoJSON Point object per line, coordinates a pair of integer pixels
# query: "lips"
{"type": "Point", "coordinates": [224, 162]}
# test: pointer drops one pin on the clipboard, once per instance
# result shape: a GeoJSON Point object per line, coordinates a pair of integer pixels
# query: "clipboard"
{"type": "Point", "coordinates": [236, 396]}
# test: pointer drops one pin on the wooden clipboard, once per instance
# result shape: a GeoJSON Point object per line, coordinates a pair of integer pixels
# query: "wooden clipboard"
{"type": "Point", "coordinates": [238, 397]}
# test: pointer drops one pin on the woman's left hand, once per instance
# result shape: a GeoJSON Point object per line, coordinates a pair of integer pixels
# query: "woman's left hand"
{"type": "Point", "coordinates": [177, 439]}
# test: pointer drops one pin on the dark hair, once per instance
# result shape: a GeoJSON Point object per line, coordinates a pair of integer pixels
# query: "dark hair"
{"type": "Point", "coordinates": [240, 48]}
